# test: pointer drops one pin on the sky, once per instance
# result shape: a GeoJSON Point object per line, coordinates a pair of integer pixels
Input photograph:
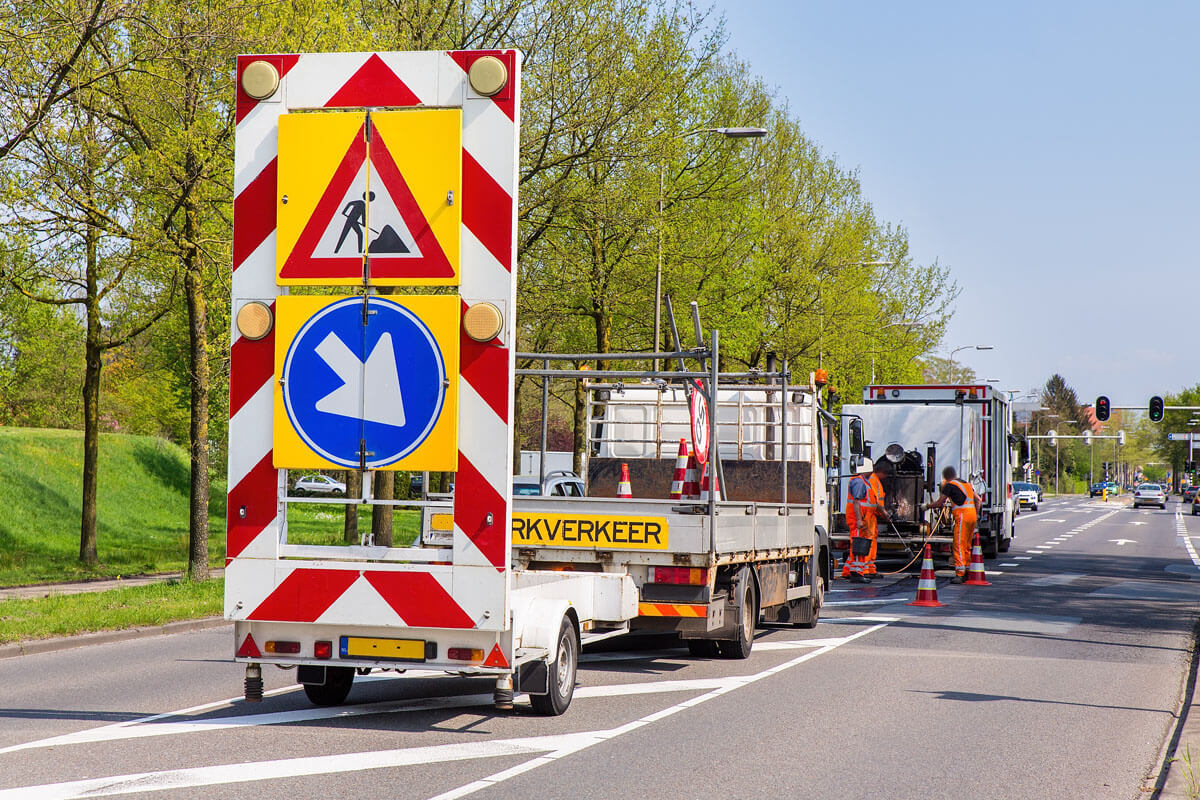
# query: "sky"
{"type": "Point", "coordinates": [1048, 153]}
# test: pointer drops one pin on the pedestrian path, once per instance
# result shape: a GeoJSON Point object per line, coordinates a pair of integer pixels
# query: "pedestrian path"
{"type": "Point", "coordinates": [49, 589]}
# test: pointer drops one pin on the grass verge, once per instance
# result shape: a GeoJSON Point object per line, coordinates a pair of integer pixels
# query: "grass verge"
{"type": "Point", "coordinates": [129, 607]}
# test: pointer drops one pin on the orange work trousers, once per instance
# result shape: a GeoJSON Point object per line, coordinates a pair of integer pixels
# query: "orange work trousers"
{"type": "Point", "coordinates": [964, 533]}
{"type": "Point", "coordinates": [868, 528]}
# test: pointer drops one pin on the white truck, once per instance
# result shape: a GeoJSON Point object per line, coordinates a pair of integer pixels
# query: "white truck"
{"type": "Point", "coordinates": [921, 430]}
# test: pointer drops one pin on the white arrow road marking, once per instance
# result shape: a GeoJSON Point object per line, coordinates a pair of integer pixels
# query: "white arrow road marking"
{"type": "Point", "coordinates": [553, 747]}
{"type": "Point", "coordinates": [1123, 542]}
{"type": "Point", "coordinates": [383, 402]}
{"type": "Point", "coordinates": [1135, 522]}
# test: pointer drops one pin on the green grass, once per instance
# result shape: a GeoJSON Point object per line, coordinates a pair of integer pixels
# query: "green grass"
{"type": "Point", "coordinates": [142, 507]}
{"type": "Point", "coordinates": [130, 607]}
{"type": "Point", "coordinates": [322, 523]}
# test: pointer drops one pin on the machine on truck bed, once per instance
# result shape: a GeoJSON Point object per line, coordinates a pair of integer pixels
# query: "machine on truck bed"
{"type": "Point", "coordinates": [383, 186]}
{"type": "Point", "coordinates": [919, 431]}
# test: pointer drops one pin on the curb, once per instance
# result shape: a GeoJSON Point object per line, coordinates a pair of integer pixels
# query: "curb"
{"type": "Point", "coordinates": [35, 646]}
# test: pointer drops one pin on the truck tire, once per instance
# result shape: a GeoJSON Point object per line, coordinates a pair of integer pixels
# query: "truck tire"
{"type": "Point", "coordinates": [562, 674]}
{"type": "Point", "coordinates": [743, 641]}
{"type": "Point", "coordinates": [807, 610]}
{"type": "Point", "coordinates": [333, 692]}
{"type": "Point", "coordinates": [991, 545]}
{"type": "Point", "coordinates": [1005, 544]}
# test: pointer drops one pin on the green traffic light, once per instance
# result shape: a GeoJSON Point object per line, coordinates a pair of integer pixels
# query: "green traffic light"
{"type": "Point", "coordinates": [1156, 409]}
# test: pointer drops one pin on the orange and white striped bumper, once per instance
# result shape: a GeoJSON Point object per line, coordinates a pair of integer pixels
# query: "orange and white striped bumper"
{"type": "Point", "coordinates": [672, 610]}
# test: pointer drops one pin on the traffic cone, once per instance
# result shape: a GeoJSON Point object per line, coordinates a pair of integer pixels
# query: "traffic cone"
{"type": "Point", "coordinates": [927, 586]}
{"type": "Point", "coordinates": [976, 576]}
{"type": "Point", "coordinates": [704, 484]}
{"type": "Point", "coordinates": [681, 465]}
{"type": "Point", "coordinates": [691, 481]}
{"type": "Point", "coordinates": [623, 487]}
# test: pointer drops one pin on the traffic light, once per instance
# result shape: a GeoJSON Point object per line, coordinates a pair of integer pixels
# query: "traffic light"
{"type": "Point", "coordinates": [1121, 437]}
{"type": "Point", "coordinates": [1053, 437]}
{"type": "Point", "coordinates": [1188, 466]}
{"type": "Point", "coordinates": [1103, 409]}
{"type": "Point", "coordinates": [1156, 409]}
{"type": "Point", "coordinates": [1087, 437]}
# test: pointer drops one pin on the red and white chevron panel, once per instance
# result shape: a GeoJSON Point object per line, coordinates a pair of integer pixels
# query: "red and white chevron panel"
{"type": "Point", "coordinates": [473, 590]}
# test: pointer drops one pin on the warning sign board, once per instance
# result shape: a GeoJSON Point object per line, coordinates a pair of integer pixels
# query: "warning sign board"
{"type": "Point", "coordinates": [367, 382]}
{"type": "Point", "coordinates": [607, 531]}
{"type": "Point", "coordinates": [371, 196]}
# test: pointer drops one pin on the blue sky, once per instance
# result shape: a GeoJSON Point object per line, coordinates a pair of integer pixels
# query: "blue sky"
{"type": "Point", "coordinates": [1047, 153]}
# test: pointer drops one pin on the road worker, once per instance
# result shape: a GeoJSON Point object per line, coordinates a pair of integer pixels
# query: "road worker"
{"type": "Point", "coordinates": [964, 504]}
{"type": "Point", "coordinates": [864, 507]}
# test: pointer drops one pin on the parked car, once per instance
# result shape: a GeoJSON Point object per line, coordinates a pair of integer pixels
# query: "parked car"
{"type": "Point", "coordinates": [318, 484]}
{"type": "Point", "coordinates": [1189, 493]}
{"type": "Point", "coordinates": [1149, 494]}
{"type": "Point", "coordinates": [1027, 494]}
{"type": "Point", "coordinates": [560, 483]}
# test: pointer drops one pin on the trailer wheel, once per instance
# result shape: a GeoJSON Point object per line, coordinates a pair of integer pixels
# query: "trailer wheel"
{"type": "Point", "coordinates": [743, 641]}
{"type": "Point", "coordinates": [702, 648]}
{"type": "Point", "coordinates": [333, 692]}
{"type": "Point", "coordinates": [807, 610]}
{"type": "Point", "coordinates": [562, 674]}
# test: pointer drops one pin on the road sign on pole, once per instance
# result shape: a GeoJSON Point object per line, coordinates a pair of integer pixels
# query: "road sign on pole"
{"type": "Point", "coordinates": [1179, 437]}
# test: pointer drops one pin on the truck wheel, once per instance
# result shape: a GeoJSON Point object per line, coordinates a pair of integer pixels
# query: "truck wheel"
{"type": "Point", "coordinates": [702, 648]}
{"type": "Point", "coordinates": [1005, 544]}
{"type": "Point", "coordinates": [806, 610]}
{"type": "Point", "coordinates": [562, 674]}
{"type": "Point", "coordinates": [991, 548]}
{"type": "Point", "coordinates": [743, 641]}
{"type": "Point", "coordinates": [333, 692]}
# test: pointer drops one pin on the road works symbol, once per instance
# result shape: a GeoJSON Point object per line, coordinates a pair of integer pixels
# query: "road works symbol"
{"type": "Point", "coordinates": [342, 388]}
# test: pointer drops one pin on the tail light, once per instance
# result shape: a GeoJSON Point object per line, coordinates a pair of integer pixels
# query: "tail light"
{"type": "Point", "coordinates": [464, 654]}
{"type": "Point", "coordinates": [323, 650]}
{"type": "Point", "coordinates": [282, 647]}
{"type": "Point", "coordinates": [690, 576]}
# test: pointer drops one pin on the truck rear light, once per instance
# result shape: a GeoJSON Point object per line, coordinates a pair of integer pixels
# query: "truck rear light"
{"type": "Point", "coordinates": [690, 576]}
{"type": "Point", "coordinates": [282, 647]}
{"type": "Point", "coordinates": [464, 654]}
{"type": "Point", "coordinates": [323, 650]}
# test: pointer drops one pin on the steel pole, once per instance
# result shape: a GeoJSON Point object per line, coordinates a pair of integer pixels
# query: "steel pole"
{"type": "Point", "coordinates": [658, 268]}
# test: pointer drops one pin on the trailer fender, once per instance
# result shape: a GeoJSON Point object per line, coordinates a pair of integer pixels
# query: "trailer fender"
{"type": "Point", "coordinates": [824, 556]}
{"type": "Point", "coordinates": [538, 622]}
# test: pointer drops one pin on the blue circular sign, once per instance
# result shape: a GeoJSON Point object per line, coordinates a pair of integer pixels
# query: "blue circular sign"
{"type": "Point", "coordinates": [347, 384]}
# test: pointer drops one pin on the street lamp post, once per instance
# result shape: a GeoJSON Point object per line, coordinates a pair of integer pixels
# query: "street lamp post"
{"type": "Point", "coordinates": [1037, 432]}
{"type": "Point", "coordinates": [728, 133]}
{"type": "Point", "coordinates": [953, 373]}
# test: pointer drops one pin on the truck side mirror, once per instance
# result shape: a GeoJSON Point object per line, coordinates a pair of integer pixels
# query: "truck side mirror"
{"type": "Point", "coordinates": [857, 445]}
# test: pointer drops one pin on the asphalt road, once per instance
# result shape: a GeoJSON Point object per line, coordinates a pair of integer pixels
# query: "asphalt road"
{"type": "Point", "coordinates": [1060, 680]}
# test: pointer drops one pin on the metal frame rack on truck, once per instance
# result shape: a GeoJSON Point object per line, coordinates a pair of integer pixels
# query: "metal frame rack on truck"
{"type": "Point", "coordinates": [358, 175]}
{"type": "Point", "coordinates": [921, 430]}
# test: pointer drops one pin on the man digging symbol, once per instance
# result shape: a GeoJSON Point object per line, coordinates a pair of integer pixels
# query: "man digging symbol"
{"type": "Point", "coordinates": [355, 213]}
{"type": "Point", "coordinates": [386, 240]}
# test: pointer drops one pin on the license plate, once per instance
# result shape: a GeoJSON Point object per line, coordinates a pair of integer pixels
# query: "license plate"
{"type": "Point", "coordinates": [395, 649]}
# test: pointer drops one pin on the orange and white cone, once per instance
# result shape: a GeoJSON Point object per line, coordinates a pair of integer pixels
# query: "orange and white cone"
{"type": "Point", "coordinates": [624, 489]}
{"type": "Point", "coordinates": [927, 587]}
{"type": "Point", "coordinates": [704, 484]}
{"type": "Point", "coordinates": [681, 465]}
{"type": "Point", "coordinates": [691, 480]}
{"type": "Point", "coordinates": [976, 576]}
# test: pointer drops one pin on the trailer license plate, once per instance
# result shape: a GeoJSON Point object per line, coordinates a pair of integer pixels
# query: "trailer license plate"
{"type": "Point", "coordinates": [396, 649]}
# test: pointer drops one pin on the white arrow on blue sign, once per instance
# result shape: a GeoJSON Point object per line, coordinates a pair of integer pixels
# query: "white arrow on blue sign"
{"type": "Point", "coordinates": [346, 384]}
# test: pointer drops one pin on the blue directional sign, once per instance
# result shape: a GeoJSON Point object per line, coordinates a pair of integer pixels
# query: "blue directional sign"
{"type": "Point", "coordinates": [367, 382]}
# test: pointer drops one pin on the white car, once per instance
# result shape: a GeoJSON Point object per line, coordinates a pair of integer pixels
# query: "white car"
{"type": "Point", "coordinates": [1026, 495]}
{"type": "Point", "coordinates": [560, 483]}
{"type": "Point", "coordinates": [318, 484]}
{"type": "Point", "coordinates": [1149, 494]}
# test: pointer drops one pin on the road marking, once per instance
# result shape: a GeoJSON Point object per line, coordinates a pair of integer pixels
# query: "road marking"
{"type": "Point", "coordinates": [551, 747]}
{"type": "Point", "coordinates": [859, 602]}
{"type": "Point", "coordinates": [1123, 542]}
{"type": "Point", "coordinates": [1054, 520]}
{"type": "Point", "coordinates": [1136, 522]}
{"type": "Point", "coordinates": [1034, 552]}
{"type": "Point", "coordinates": [1181, 529]}
{"type": "Point", "coordinates": [1023, 558]}
{"type": "Point", "coordinates": [1010, 564]}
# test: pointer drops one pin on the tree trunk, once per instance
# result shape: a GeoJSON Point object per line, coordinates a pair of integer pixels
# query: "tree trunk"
{"type": "Point", "coordinates": [193, 283]}
{"type": "Point", "coordinates": [381, 516]}
{"type": "Point", "coordinates": [353, 490]}
{"type": "Point", "coordinates": [579, 426]}
{"type": "Point", "coordinates": [93, 356]}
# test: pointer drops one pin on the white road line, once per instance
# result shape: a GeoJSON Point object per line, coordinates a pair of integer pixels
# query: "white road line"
{"type": "Point", "coordinates": [858, 602]}
{"type": "Point", "coordinates": [1023, 558]}
{"type": "Point", "coordinates": [1181, 529]}
{"type": "Point", "coordinates": [553, 748]}
{"type": "Point", "coordinates": [1010, 564]}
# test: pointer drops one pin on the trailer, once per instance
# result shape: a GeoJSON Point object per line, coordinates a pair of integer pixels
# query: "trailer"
{"type": "Point", "coordinates": [920, 430]}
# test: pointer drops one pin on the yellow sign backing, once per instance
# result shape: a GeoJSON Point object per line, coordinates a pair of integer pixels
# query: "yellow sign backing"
{"type": "Point", "coordinates": [605, 531]}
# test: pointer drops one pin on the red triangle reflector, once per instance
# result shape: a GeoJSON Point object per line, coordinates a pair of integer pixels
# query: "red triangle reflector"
{"type": "Point", "coordinates": [250, 650]}
{"type": "Point", "coordinates": [496, 658]}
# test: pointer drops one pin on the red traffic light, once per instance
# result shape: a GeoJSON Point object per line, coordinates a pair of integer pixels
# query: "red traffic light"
{"type": "Point", "coordinates": [1103, 408]}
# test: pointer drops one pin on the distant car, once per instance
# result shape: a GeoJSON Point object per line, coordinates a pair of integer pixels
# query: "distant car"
{"type": "Point", "coordinates": [1189, 493]}
{"type": "Point", "coordinates": [1113, 487]}
{"type": "Point", "coordinates": [1027, 494]}
{"type": "Point", "coordinates": [560, 483]}
{"type": "Point", "coordinates": [318, 484]}
{"type": "Point", "coordinates": [1095, 490]}
{"type": "Point", "coordinates": [1149, 494]}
